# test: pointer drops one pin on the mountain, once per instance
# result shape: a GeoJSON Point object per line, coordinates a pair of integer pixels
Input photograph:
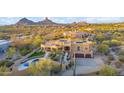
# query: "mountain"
{"type": "Point", "coordinates": [25, 21]}
{"type": "Point", "coordinates": [46, 21]}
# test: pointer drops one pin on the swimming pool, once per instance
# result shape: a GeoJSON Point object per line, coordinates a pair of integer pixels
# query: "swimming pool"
{"type": "Point", "coordinates": [26, 64]}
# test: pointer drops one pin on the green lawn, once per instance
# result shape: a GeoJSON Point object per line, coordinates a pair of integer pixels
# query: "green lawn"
{"type": "Point", "coordinates": [38, 53]}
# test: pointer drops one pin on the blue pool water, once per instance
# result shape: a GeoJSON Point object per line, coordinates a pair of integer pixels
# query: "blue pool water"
{"type": "Point", "coordinates": [26, 64]}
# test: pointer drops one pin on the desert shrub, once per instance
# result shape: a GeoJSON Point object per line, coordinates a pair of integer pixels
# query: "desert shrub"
{"type": "Point", "coordinates": [6, 63]}
{"type": "Point", "coordinates": [103, 48]}
{"type": "Point", "coordinates": [44, 67]}
{"type": "Point", "coordinates": [118, 64]}
{"type": "Point", "coordinates": [121, 58]}
{"type": "Point", "coordinates": [4, 71]}
{"type": "Point", "coordinates": [25, 51]}
{"type": "Point", "coordinates": [121, 52]}
{"type": "Point", "coordinates": [110, 57]}
{"type": "Point", "coordinates": [107, 71]}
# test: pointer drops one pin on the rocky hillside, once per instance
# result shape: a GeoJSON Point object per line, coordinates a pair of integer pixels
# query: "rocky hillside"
{"type": "Point", "coordinates": [25, 21]}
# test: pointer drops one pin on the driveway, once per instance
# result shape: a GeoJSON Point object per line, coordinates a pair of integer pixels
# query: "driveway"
{"type": "Point", "coordinates": [85, 62]}
{"type": "Point", "coordinates": [2, 56]}
{"type": "Point", "coordinates": [85, 66]}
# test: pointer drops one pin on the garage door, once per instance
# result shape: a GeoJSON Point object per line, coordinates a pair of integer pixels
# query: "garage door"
{"type": "Point", "coordinates": [66, 48]}
{"type": "Point", "coordinates": [88, 56]}
{"type": "Point", "coordinates": [79, 55]}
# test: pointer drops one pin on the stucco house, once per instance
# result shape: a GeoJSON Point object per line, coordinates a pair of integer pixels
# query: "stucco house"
{"type": "Point", "coordinates": [79, 49]}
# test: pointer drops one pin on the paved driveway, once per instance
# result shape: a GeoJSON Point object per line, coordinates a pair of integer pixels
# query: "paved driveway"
{"type": "Point", "coordinates": [86, 62]}
{"type": "Point", "coordinates": [2, 57]}
{"type": "Point", "coordinates": [85, 66]}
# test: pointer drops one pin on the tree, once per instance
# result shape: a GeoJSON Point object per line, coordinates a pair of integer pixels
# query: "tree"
{"type": "Point", "coordinates": [107, 42]}
{"type": "Point", "coordinates": [11, 51]}
{"type": "Point", "coordinates": [103, 48]}
{"type": "Point", "coordinates": [121, 58]}
{"type": "Point", "coordinates": [110, 57]}
{"type": "Point", "coordinates": [118, 64]}
{"type": "Point", "coordinates": [115, 42]}
{"type": "Point", "coordinates": [6, 63]}
{"type": "Point", "coordinates": [37, 41]}
{"type": "Point", "coordinates": [43, 67]}
{"type": "Point", "coordinates": [107, 71]}
{"type": "Point", "coordinates": [4, 70]}
{"type": "Point", "coordinates": [100, 38]}
{"type": "Point", "coordinates": [121, 52]}
{"type": "Point", "coordinates": [1, 35]}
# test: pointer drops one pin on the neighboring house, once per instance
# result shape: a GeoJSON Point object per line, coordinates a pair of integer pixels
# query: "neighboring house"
{"type": "Point", "coordinates": [4, 44]}
{"type": "Point", "coordinates": [78, 34]}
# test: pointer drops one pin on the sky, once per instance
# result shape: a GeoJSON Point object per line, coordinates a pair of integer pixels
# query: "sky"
{"type": "Point", "coordinates": [13, 20]}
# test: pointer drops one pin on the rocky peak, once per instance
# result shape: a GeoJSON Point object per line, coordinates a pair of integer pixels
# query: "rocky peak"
{"type": "Point", "coordinates": [25, 21]}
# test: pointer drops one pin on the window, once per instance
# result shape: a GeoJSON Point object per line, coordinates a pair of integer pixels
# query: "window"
{"type": "Point", "coordinates": [82, 36]}
{"type": "Point", "coordinates": [78, 48]}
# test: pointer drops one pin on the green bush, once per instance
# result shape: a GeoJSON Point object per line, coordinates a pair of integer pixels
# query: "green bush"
{"type": "Point", "coordinates": [107, 71]}
{"type": "Point", "coordinates": [25, 51]}
{"type": "Point", "coordinates": [115, 42]}
{"type": "Point", "coordinates": [107, 42]}
{"type": "Point", "coordinates": [118, 64]}
{"type": "Point", "coordinates": [43, 67]}
{"type": "Point", "coordinates": [55, 56]}
{"type": "Point", "coordinates": [56, 68]}
{"type": "Point", "coordinates": [121, 52]}
{"type": "Point", "coordinates": [110, 57]}
{"type": "Point", "coordinates": [6, 63]}
{"type": "Point", "coordinates": [121, 58]}
{"type": "Point", "coordinates": [103, 48]}
{"type": "Point", "coordinates": [4, 71]}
